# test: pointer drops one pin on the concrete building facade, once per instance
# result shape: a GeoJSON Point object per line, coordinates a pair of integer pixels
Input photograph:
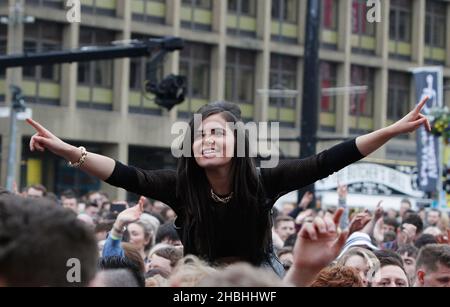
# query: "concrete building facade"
{"type": "Point", "coordinates": [236, 50]}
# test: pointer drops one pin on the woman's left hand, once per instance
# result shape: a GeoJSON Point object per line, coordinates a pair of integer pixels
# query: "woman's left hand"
{"type": "Point", "coordinates": [413, 120]}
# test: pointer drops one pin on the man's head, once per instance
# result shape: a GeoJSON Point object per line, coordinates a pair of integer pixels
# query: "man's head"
{"type": "Point", "coordinates": [284, 226]}
{"type": "Point", "coordinates": [409, 255]}
{"type": "Point", "coordinates": [392, 273]}
{"type": "Point", "coordinates": [390, 224]}
{"type": "Point", "coordinates": [405, 205]}
{"type": "Point", "coordinates": [44, 245]}
{"type": "Point", "coordinates": [36, 190]}
{"type": "Point", "coordinates": [168, 234]}
{"type": "Point", "coordinates": [70, 202]}
{"type": "Point", "coordinates": [433, 266]}
{"type": "Point", "coordinates": [433, 217]}
{"type": "Point", "coordinates": [92, 210]}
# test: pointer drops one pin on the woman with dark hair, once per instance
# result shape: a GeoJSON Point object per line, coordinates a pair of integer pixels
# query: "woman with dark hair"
{"type": "Point", "coordinates": [223, 202]}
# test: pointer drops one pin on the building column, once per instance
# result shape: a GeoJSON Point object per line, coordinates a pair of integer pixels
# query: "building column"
{"type": "Point", "coordinates": [118, 152]}
{"type": "Point", "coordinates": [344, 69]}
{"type": "Point", "coordinates": [418, 30]}
{"type": "Point", "coordinates": [382, 75]}
{"type": "Point", "coordinates": [69, 71]}
{"type": "Point", "coordinates": [264, 20]}
{"type": "Point", "coordinates": [13, 77]}
{"type": "Point", "coordinates": [302, 9]}
{"type": "Point", "coordinates": [448, 34]}
{"type": "Point", "coordinates": [218, 56]}
{"type": "Point", "coordinates": [122, 66]}
{"type": "Point", "coordinates": [172, 63]}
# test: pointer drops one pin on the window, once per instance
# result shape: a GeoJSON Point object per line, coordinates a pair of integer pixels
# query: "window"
{"type": "Point", "coordinates": [330, 14]}
{"type": "Point", "coordinates": [398, 97]}
{"type": "Point", "coordinates": [400, 26]}
{"type": "Point", "coordinates": [328, 79]}
{"type": "Point", "coordinates": [3, 45]}
{"type": "Point", "coordinates": [197, 14]}
{"type": "Point", "coordinates": [242, 7]}
{"type": "Point", "coordinates": [96, 74]}
{"type": "Point", "coordinates": [57, 4]}
{"type": "Point", "coordinates": [195, 63]}
{"type": "Point", "coordinates": [363, 31]}
{"type": "Point", "coordinates": [285, 10]}
{"type": "Point", "coordinates": [361, 101]}
{"type": "Point", "coordinates": [435, 31]}
{"type": "Point", "coordinates": [447, 91]}
{"type": "Point", "coordinates": [284, 20]}
{"type": "Point", "coordinates": [152, 11]}
{"type": "Point", "coordinates": [242, 17]}
{"type": "Point", "coordinates": [329, 30]}
{"type": "Point", "coordinates": [240, 76]}
{"type": "Point", "coordinates": [41, 37]}
{"type": "Point", "coordinates": [283, 76]}
{"type": "Point", "coordinates": [100, 7]}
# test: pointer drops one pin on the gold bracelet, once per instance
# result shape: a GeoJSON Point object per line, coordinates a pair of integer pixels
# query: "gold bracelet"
{"type": "Point", "coordinates": [80, 162]}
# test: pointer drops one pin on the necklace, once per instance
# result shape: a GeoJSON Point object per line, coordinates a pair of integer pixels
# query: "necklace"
{"type": "Point", "coordinates": [222, 200]}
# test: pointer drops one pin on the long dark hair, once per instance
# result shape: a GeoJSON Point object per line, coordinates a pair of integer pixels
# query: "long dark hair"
{"type": "Point", "coordinates": [250, 217]}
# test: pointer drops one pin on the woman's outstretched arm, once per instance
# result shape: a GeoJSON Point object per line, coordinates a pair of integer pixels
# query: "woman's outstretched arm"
{"type": "Point", "coordinates": [369, 143]}
{"type": "Point", "coordinates": [96, 165]}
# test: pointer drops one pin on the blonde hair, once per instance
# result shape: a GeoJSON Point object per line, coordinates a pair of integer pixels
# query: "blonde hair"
{"type": "Point", "coordinates": [242, 275]}
{"type": "Point", "coordinates": [190, 271]}
{"type": "Point", "coordinates": [368, 256]}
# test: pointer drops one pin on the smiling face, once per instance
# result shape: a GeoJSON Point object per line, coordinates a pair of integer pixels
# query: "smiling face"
{"type": "Point", "coordinates": [213, 143]}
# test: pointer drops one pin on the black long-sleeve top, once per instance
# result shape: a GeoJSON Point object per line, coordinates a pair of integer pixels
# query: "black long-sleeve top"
{"type": "Point", "coordinates": [288, 176]}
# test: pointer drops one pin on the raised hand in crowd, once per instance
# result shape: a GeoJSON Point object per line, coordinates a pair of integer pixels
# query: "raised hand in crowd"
{"type": "Point", "coordinates": [306, 200]}
{"type": "Point", "coordinates": [128, 216]}
{"type": "Point", "coordinates": [406, 235]}
{"type": "Point", "coordinates": [318, 243]}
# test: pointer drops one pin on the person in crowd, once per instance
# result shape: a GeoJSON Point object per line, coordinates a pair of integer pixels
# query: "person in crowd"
{"type": "Point", "coordinates": [120, 278]}
{"type": "Point", "coordinates": [390, 224]}
{"type": "Point", "coordinates": [405, 205]}
{"type": "Point", "coordinates": [164, 257]}
{"type": "Point", "coordinates": [363, 261]}
{"type": "Point", "coordinates": [409, 255]}
{"type": "Point", "coordinates": [318, 244]}
{"type": "Point", "coordinates": [433, 217]}
{"type": "Point", "coordinates": [92, 209]}
{"type": "Point", "coordinates": [286, 257]}
{"type": "Point", "coordinates": [433, 266]}
{"type": "Point", "coordinates": [70, 202]}
{"type": "Point", "coordinates": [168, 214]}
{"type": "Point", "coordinates": [167, 234]}
{"type": "Point", "coordinates": [35, 190]}
{"type": "Point", "coordinates": [137, 232]}
{"type": "Point", "coordinates": [338, 277]}
{"type": "Point", "coordinates": [424, 240]}
{"type": "Point", "coordinates": [217, 182]}
{"type": "Point", "coordinates": [42, 245]}
{"type": "Point", "coordinates": [391, 273]}
{"type": "Point", "coordinates": [284, 226]}
{"type": "Point", "coordinates": [118, 262]}
{"type": "Point", "coordinates": [189, 272]}
{"type": "Point", "coordinates": [241, 275]}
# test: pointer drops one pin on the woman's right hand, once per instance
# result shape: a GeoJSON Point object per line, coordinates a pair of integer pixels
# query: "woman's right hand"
{"type": "Point", "coordinates": [44, 139]}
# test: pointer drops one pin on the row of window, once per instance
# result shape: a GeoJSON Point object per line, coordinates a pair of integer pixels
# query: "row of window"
{"type": "Point", "coordinates": [197, 15]}
{"type": "Point", "coordinates": [240, 77]}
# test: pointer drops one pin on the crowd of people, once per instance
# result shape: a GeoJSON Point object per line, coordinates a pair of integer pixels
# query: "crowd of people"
{"type": "Point", "coordinates": [126, 244]}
